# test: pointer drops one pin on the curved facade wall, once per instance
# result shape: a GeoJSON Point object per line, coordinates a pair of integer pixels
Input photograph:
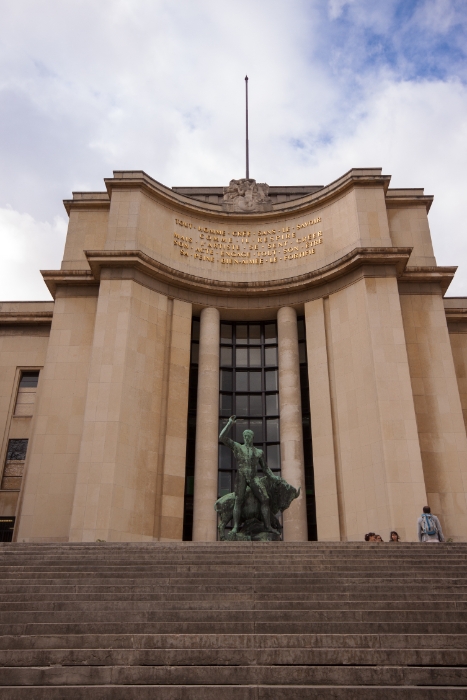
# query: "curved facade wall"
{"type": "Point", "coordinates": [107, 436]}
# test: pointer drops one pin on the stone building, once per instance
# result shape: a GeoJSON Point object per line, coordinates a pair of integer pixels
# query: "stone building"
{"type": "Point", "coordinates": [316, 314]}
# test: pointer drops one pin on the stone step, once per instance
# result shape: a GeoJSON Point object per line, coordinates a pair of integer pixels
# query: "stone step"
{"type": "Point", "coordinates": [261, 621]}
{"type": "Point", "coordinates": [243, 573]}
{"type": "Point", "coordinates": [247, 576]}
{"type": "Point", "coordinates": [299, 564]}
{"type": "Point", "coordinates": [246, 627]}
{"type": "Point", "coordinates": [274, 582]}
{"type": "Point", "coordinates": [236, 641]}
{"type": "Point", "coordinates": [7, 601]}
{"type": "Point", "coordinates": [239, 675]}
{"type": "Point", "coordinates": [234, 657]}
{"type": "Point", "coordinates": [234, 616]}
{"type": "Point", "coordinates": [232, 692]}
{"type": "Point", "coordinates": [220, 602]}
{"type": "Point", "coordinates": [270, 588]}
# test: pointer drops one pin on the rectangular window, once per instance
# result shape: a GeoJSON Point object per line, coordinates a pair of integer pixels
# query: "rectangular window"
{"type": "Point", "coordinates": [247, 349]}
{"type": "Point", "coordinates": [7, 526]}
{"type": "Point", "coordinates": [14, 465]}
{"type": "Point", "coordinates": [191, 431]}
{"type": "Point", "coordinates": [306, 427]}
{"type": "Point", "coordinates": [26, 397]}
{"type": "Point", "coordinates": [17, 450]}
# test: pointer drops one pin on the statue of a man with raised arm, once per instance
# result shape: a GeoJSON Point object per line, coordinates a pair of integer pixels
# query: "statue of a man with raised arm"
{"type": "Point", "coordinates": [249, 458]}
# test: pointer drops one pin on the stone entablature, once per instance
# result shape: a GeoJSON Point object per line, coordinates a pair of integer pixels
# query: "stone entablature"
{"type": "Point", "coordinates": [202, 240]}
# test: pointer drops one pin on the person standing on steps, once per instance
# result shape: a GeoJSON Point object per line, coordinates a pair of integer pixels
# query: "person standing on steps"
{"type": "Point", "coordinates": [429, 527]}
{"type": "Point", "coordinates": [394, 537]}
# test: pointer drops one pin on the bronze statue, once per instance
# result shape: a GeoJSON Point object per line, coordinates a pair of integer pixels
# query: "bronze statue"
{"type": "Point", "coordinates": [256, 499]}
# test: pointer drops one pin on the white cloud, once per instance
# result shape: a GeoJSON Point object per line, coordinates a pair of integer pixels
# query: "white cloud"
{"type": "Point", "coordinates": [417, 132]}
{"type": "Point", "coordinates": [89, 87]}
{"type": "Point", "coordinates": [28, 246]}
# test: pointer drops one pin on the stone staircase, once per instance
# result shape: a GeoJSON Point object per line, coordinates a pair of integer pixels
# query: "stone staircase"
{"type": "Point", "coordinates": [233, 621]}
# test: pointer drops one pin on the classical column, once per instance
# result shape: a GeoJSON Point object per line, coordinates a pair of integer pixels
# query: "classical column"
{"type": "Point", "coordinates": [325, 459]}
{"type": "Point", "coordinates": [292, 461]}
{"type": "Point", "coordinates": [207, 429]}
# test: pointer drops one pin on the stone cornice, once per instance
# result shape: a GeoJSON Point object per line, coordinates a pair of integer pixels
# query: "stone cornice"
{"type": "Point", "coordinates": [98, 260]}
{"type": "Point", "coordinates": [26, 317]}
{"type": "Point", "coordinates": [357, 177]}
{"type": "Point", "coordinates": [456, 309]}
{"type": "Point", "coordinates": [402, 198]}
{"type": "Point", "coordinates": [414, 279]}
{"type": "Point", "coordinates": [76, 278]}
{"type": "Point", "coordinates": [86, 201]}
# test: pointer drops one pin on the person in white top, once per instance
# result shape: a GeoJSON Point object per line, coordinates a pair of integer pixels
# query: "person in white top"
{"type": "Point", "coordinates": [429, 527]}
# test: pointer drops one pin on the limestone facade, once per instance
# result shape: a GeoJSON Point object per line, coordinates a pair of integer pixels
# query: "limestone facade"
{"type": "Point", "coordinates": [106, 426]}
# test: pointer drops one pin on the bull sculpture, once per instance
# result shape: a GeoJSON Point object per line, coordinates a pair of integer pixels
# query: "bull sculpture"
{"type": "Point", "coordinates": [256, 500]}
{"type": "Point", "coordinates": [281, 494]}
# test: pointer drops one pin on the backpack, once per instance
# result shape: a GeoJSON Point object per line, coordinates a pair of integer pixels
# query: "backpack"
{"type": "Point", "coordinates": [428, 524]}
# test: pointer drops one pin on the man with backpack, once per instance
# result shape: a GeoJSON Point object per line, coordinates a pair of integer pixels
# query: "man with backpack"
{"type": "Point", "coordinates": [429, 527]}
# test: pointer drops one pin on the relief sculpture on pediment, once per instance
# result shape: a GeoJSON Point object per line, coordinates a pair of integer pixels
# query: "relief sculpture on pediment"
{"type": "Point", "coordinates": [246, 195]}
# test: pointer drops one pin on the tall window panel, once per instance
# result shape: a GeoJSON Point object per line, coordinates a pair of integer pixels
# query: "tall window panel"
{"type": "Point", "coordinates": [249, 389]}
{"type": "Point", "coordinates": [191, 432]}
{"type": "Point", "coordinates": [306, 425]}
{"type": "Point", "coordinates": [26, 394]}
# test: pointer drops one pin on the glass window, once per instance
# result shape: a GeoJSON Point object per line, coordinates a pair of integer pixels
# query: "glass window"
{"type": "Point", "coordinates": [274, 457]}
{"type": "Point", "coordinates": [241, 381]}
{"type": "Point", "coordinates": [256, 405]}
{"type": "Point", "coordinates": [224, 457]}
{"type": "Point", "coordinates": [190, 485]}
{"type": "Point", "coordinates": [222, 424]}
{"type": "Point", "coordinates": [255, 335]}
{"type": "Point", "coordinates": [255, 381]}
{"type": "Point", "coordinates": [225, 483]}
{"type": "Point", "coordinates": [270, 356]}
{"type": "Point", "coordinates": [272, 404]}
{"type": "Point", "coordinates": [226, 404]}
{"type": "Point", "coordinates": [239, 427]}
{"type": "Point", "coordinates": [257, 427]}
{"type": "Point", "coordinates": [29, 379]}
{"type": "Point", "coordinates": [241, 408]}
{"type": "Point", "coordinates": [241, 335]}
{"type": "Point", "coordinates": [255, 357]}
{"type": "Point", "coordinates": [226, 333]}
{"type": "Point", "coordinates": [195, 330]}
{"type": "Point", "coordinates": [273, 429]}
{"type": "Point", "coordinates": [271, 380]}
{"type": "Point", "coordinates": [301, 329]}
{"type": "Point", "coordinates": [241, 357]}
{"type": "Point", "coordinates": [270, 333]}
{"type": "Point", "coordinates": [226, 356]}
{"type": "Point", "coordinates": [226, 380]}
{"type": "Point", "coordinates": [249, 388]}
{"type": "Point", "coordinates": [17, 450]}
{"type": "Point", "coordinates": [301, 353]}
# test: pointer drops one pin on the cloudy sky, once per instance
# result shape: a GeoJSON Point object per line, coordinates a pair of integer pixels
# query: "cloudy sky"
{"type": "Point", "coordinates": [87, 87]}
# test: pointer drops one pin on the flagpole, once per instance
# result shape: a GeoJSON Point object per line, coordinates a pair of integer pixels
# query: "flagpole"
{"type": "Point", "coordinates": [247, 145]}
